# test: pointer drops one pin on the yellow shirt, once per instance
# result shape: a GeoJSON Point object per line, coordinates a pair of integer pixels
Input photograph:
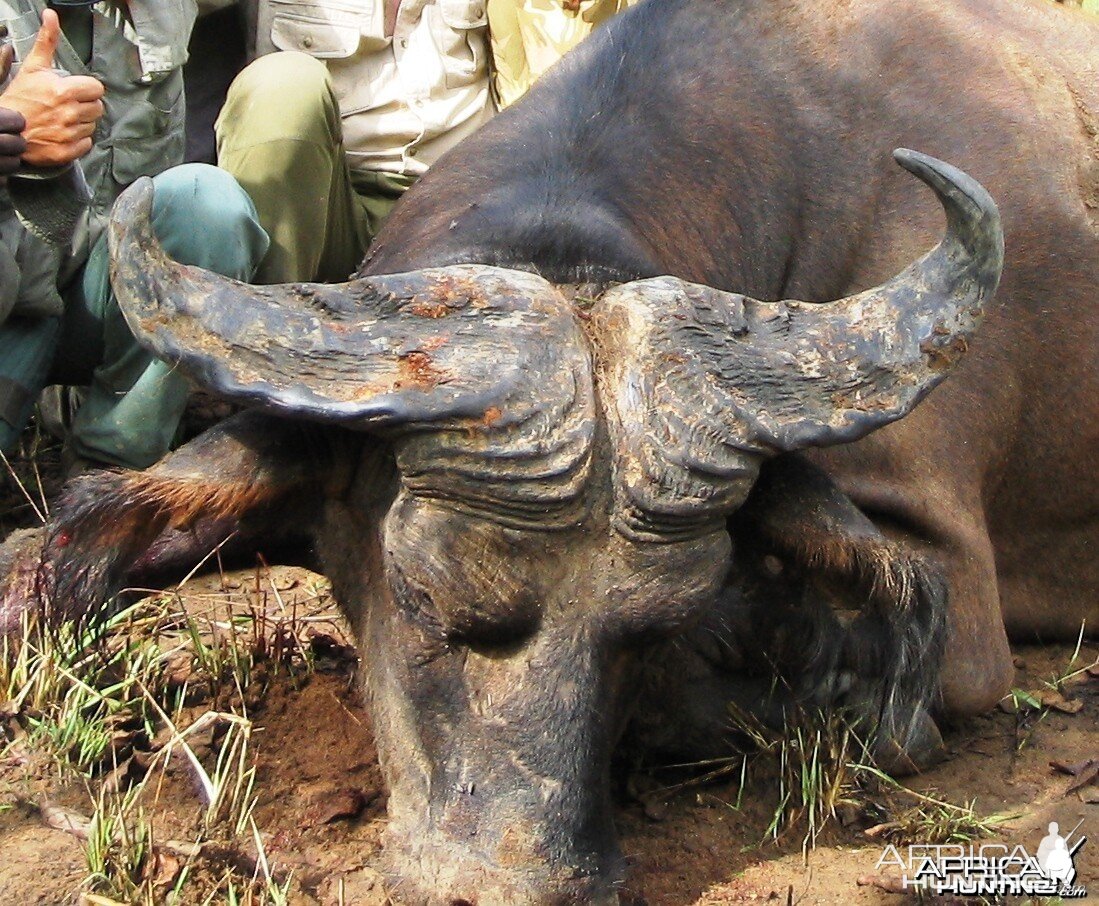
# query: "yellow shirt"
{"type": "Point", "coordinates": [406, 99]}
{"type": "Point", "coordinates": [529, 36]}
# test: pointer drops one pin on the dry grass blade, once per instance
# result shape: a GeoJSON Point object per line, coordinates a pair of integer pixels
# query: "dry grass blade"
{"type": "Point", "coordinates": [93, 899]}
{"type": "Point", "coordinates": [812, 758]}
{"type": "Point", "coordinates": [41, 512]}
{"type": "Point", "coordinates": [932, 820]}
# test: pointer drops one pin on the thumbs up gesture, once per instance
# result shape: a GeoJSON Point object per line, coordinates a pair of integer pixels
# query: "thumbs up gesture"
{"type": "Point", "coordinates": [60, 110]}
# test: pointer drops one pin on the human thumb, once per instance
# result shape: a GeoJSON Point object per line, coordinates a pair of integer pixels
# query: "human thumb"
{"type": "Point", "coordinates": [45, 45]}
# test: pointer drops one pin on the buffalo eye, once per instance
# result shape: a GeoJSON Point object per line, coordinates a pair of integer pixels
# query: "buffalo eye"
{"type": "Point", "coordinates": [772, 565]}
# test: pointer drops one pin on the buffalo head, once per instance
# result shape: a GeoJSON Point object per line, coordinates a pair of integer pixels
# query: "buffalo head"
{"type": "Point", "coordinates": [537, 491]}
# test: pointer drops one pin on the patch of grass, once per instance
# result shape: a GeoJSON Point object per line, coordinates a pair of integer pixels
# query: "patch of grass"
{"type": "Point", "coordinates": [118, 849]}
{"type": "Point", "coordinates": [934, 822]}
{"type": "Point", "coordinates": [1031, 707]}
{"type": "Point", "coordinates": [812, 764]}
{"type": "Point", "coordinates": [77, 690]}
{"type": "Point", "coordinates": [931, 820]}
{"type": "Point", "coordinates": [1059, 681]}
{"type": "Point", "coordinates": [808, 768]}
{"type": "Point", "coordinates": [820, 767]}
{"type": "Point", "coordinates": [85, 702]}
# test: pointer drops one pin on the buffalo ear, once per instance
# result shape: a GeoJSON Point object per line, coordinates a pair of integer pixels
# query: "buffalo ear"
{"type": "Point", "coordinates": [842, 614]}
{"type": "Point", "coordinates": [820, 611]}
{"type": "Point", "coordinates": [703, 382]}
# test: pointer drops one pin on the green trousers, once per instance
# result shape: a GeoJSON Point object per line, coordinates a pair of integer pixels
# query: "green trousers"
{"type": "Point", "coordinates": [279, 135]}
{"type": "Point", "coordinates": [134, 402]}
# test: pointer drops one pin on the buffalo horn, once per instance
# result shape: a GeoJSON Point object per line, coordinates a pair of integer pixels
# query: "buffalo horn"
{"type": "Point", "coordinates": [466, 347]}
{"type": "Point", "coordinates": [707, 375]}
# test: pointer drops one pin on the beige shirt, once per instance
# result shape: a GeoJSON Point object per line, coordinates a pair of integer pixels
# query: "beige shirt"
{"type": "Point", "coordinates": [404, 99]}
{"type": "Point", "coordinates": [529, 36]}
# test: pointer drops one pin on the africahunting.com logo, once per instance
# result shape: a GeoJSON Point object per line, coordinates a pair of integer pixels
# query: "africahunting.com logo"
{"type": "Point", "coordinates": [991, 869]}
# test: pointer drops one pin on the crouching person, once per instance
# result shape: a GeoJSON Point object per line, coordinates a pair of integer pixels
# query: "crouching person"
{"type": "Point", "coordinates": [348, 104]}
{"type": "Point", "coordinates": [93, 116]}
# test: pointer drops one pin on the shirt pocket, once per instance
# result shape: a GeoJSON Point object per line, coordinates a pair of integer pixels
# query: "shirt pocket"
{"type": "Point", "coordinates": [327, 31]}
{"type": "Point", "coordinates": [461, 36]}
{"type": "Point", "coordinates": [147, 138]}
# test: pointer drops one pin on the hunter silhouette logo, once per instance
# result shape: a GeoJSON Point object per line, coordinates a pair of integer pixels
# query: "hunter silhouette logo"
{"type": "Point", "coordinates": [1056, 859]}
{"type": "Point", "coordinates": [992, 869]}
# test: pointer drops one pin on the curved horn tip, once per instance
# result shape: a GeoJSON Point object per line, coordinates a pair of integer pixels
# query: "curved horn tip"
{"type": "Point", "coordinates": [137, 196]}
{"type": "Point", "coordinates": [973, 218]}
{"type": "Point", "coordinates": [944, 177]}
{"type": "Point", "coordinates": [131, 219]}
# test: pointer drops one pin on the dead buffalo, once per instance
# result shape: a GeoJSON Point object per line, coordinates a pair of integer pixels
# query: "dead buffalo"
{"type": "Point", "coordinates": [524, 480]}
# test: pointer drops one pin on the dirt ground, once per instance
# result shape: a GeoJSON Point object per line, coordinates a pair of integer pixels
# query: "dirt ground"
{"type": "Point", "coordinates": [321, 803]}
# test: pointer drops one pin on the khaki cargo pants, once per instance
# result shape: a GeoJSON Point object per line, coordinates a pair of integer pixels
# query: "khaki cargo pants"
{"type": "Point", "coordinates": [279, 134]}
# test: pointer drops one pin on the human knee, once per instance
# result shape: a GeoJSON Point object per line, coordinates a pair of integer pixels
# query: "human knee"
{"type": "Point", "coordinates": [202, 193]}
{"type": "Point", "coordinates": [287, 91]}
{"type": "Point", "coordinates": [281, 72]}
{"type": "Point", "coordinates": [203, 217]}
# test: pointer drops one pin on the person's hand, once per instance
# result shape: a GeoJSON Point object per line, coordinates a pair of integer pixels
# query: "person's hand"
{"type": "Point", "coordinates": [12, 143]}
{"type": "Point", "coordinates": [60, 111]}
